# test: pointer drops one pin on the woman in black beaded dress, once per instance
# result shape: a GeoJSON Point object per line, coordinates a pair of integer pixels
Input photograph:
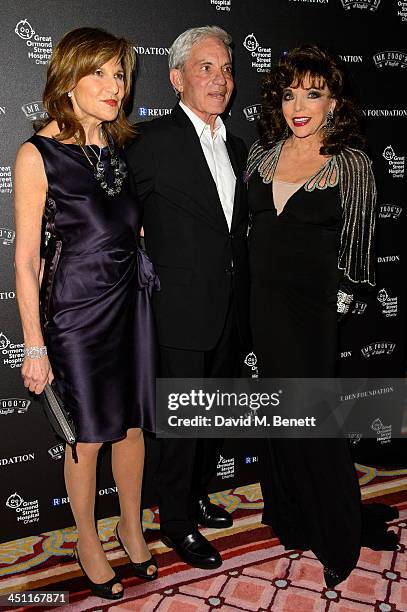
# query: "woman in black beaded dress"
{"type": "Point", "coordinates": [312, 197]}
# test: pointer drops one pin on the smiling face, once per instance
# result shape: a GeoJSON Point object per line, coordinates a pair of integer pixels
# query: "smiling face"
{"type": "Point", "coordinates": [305, 107]}
{"type": "Point", "coordinates": [205, 82]}
{"type": "Point", "coordinates": [97, 97]}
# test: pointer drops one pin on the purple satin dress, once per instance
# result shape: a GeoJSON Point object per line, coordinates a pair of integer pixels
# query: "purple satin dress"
{"type": "Point", "coordinates": [95, 297]}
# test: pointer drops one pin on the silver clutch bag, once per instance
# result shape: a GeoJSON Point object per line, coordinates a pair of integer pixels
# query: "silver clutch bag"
{"type": "Point", "coordinates": [59, 417]}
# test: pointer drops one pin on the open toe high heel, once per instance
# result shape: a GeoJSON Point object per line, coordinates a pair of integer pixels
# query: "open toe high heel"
{"type": "Point", "coordinates": [104, 589]}
{"type": "Point", "coordinates": [140, 569]}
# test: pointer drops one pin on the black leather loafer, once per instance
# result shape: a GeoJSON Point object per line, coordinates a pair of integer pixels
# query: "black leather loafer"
{"type": "Point", "coordinates": [210, 515]}
{"type": "Point", "coordinates": [195, 550]}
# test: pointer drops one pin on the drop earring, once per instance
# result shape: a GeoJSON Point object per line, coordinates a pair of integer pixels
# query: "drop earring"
{"type": "Point", "coordinates": [69, 94]}
{"type": "Point", "coordinates": [329, 123]}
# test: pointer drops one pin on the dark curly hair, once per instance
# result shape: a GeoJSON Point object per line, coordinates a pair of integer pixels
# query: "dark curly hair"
{"type": "Point", "coordinates": [322, 67]}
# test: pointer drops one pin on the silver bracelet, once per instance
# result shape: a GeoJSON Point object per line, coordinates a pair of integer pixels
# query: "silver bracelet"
{"type": "Point", "coordinates": [35, 352]}
{"type": "Point", "coordinates": [343, 301]}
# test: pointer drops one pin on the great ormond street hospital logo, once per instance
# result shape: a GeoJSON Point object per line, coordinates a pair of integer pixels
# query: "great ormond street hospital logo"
{"type": "Point", "coordinates": [222, 5]}
{"type": "Point", "coordinates": [13, 354]}
{"type": "Point", "coordinates": [251, 361]}
{"type": "Point", "coordinates": [389, 153]}
{"type": "Point", "coordinates": [250, 42]}
{"type": "Point", "coordinates": [261, 56]}
{"type": "Point", "coordinates": [39, 47]}
{"type": "Point", "coordinates": [389, 306]}
{"type": "Point", "coordinates": [6, 179]}
{"type": "Point", "coordinates": [14, 501]}
{"type": "Point", "coordinates": [383, 432]}
{"type": "Point", "coordinates": [396, 162]}
{"type": "Point", "coordinates": [24, 30]}
{"type": "Point", "coordinates": [4, 341]}
{"type": "Point", "coordinates": [26, 511]}
{"type": "Point", "coordinates": [225, 467]}
{"type": "Point", "coordinates": [402, 10]}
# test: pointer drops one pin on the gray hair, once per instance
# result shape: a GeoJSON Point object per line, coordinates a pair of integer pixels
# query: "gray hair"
{"type": "Point", "coordinates": [181, 47]}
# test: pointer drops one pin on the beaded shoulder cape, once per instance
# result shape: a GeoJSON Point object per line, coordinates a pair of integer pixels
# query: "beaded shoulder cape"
{"type": "Point", "coordinates": [351, 170]}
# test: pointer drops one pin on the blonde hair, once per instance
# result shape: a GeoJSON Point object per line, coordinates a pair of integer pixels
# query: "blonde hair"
{"type": "Point", "coordinates": [79, 53]}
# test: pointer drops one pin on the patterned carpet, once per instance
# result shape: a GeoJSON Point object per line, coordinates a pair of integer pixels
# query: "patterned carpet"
{"type": "Point", "coordinates": [257, 573]}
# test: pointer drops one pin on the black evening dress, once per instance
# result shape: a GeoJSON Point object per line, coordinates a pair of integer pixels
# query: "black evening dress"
{"type": "Point", "coordinates": [95, 296]}
{"type": "Point", "coordinates": [310, 488]}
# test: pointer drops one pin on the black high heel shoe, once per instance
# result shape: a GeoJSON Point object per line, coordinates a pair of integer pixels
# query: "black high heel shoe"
{"type": "Point", "coordinates": [139, 569]}
{"type": "Point", "coordinates": [103, 589]}
{"type": "Point", "coordinates": [332, 579]}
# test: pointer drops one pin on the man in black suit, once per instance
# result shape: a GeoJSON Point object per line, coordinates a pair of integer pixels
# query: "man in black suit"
{"type": "Point", "coordinates": [189, 174]}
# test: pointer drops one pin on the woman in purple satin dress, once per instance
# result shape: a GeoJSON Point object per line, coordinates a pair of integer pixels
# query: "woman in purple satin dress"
{"type": "Point", "coordinates": [92, 314]}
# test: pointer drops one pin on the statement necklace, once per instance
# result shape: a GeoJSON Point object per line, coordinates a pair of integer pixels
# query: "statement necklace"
{"type": "Point", "coordinates": [100, 173]}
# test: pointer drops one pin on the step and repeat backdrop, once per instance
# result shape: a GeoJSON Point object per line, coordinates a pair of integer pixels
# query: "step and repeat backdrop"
{"type": "Point", "coordinates": [370, 37]}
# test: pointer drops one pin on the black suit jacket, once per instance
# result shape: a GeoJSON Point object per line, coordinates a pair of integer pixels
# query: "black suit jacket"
{"type": "Point", "coordinates": [186, 233]}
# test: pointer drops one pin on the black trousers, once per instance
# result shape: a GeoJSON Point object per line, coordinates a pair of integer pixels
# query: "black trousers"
{"type": "Point", "coordinates": [187, 465]}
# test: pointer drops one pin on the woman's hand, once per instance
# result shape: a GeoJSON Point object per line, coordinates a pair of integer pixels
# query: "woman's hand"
{"type": "Point", "coordinates": [36, 374]}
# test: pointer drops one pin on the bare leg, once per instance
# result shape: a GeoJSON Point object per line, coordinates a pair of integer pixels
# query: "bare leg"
{"type": "Point", "coordinates": [80, 480]}
{"type": "Point", "coordinates": [127, 466]}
